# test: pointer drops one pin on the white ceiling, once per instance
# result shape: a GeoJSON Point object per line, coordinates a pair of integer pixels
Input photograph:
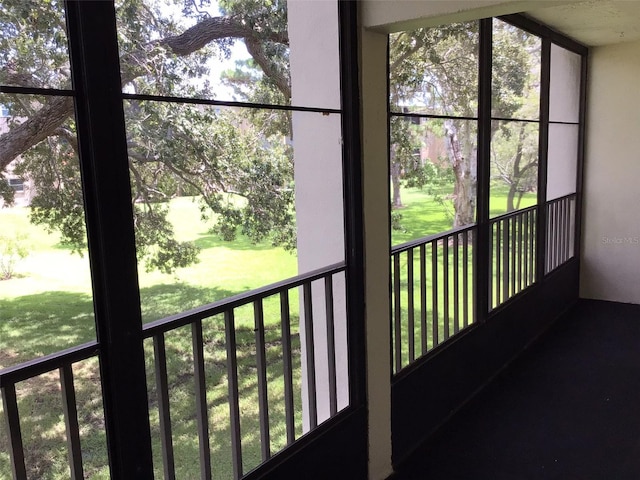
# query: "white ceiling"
{"type": "Point", "coordinates": [594, 22]}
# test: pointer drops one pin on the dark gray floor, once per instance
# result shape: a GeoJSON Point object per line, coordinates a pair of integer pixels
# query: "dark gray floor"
{"type": "Point", "coordinates": [568, 409]}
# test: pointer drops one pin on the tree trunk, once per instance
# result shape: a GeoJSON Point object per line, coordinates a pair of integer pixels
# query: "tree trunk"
{"type": "Point", "coordinates": [464, 190]}
{"type": "Point", "coordinates": [517, 172]}
{"type": "Point", "coordinates": [396, 171]}
{"type": "Point", "coordinates": [513, 189]}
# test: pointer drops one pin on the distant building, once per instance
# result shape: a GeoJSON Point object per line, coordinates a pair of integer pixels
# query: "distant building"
{"type": "Point", "coordinates": [22, 187]}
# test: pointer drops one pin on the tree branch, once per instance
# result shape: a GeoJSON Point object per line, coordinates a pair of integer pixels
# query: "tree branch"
{"type": "Point", "coordinates": [35, 129]}
{"type": "Point", "coordinates": [406, 54]}
{"type": "Point", "coordinates": [70, 137]}
{"type": "Point", "coordinates": [256, 50]}
{"type": "Point", "coordinates": [216, 28]}
{"type": "Point", "coordinates": [56, 110]}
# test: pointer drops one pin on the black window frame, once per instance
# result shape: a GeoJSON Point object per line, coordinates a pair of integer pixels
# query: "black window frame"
{"type": "Point", "coordinates": [548, 36]}
{"type": "Point", "coordinates": [96, 89]}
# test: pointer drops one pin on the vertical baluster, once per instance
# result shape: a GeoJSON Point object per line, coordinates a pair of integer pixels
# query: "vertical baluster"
{"type": "Point", "coordinates": [434, 291]}
{"type": "Point", "coordinates": [505, 258]}
{"type": "Point", "coordinates": [311, 360]}
{"type": "Point", "coordinates": [474, 275]}
{"type": "Point", "coordinates": [234, 404]}
{"type": "Point", "coordinates": [162, 389]}
{"type": "Point", "coordinates": [201, 400]}
{"type": "Point", "coordinates": [261, 364]}
{"type": "Point", "coordinates": [561, 240]}
{"type": "Point", "coordinates": [285, 325]}
{"type": "Point", "coordinates": [556, 233]}
{"type": "Point", "coordinates": [498, 276]}
{"type": "Point", "coordinates": [552, 237]}
{"type": "Point", "coordinates": [513, 254]}
{"type": "Point", "coordinates": [525, 249]}
{"type": "Point", "coordinates": [456, 284]}
{"type": "Point", "coordinates": [565, 229]}
{"type": "Point", "coordinates": [410, 307]}
{"type": "Point", "coordinates": [571, 232]}
{"type": "Point", "coordinates": [547, 266]}
{"type": "Point", "coordinates": [561, 228]}
{"type": "Point", "coordinates": [71, 421]}
{"type": "Point", "coordinates": [532, 246]}
{"type": "Point", "coordinates": [465, 278]}
{"type": "Point", "coordinates": [12, 417]}
{"type": "Point", "coordinates": [492, 270]}
{"type": "Point", "coordinates": [331, 344]}
{"type": "Point", "coordinates": [558, 236]}
{"type": "Point", "coordinates": [423, 298]}
{"type": "Point", "coordinates": [520, 250]}
{"type": "Point", "coordinates": [569, 225]}
{"type": "Point", "coordinates": [397, 312]}
{"type": "Point", "coordinates": [445, 285]}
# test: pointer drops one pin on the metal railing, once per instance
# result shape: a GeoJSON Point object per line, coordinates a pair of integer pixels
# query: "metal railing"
{"type": "Point", "coordinates": [302, 361]}
{"type": "Point", "coordinates": [512, 254]}
{"type": "Point", "coordinates": [290, 337]}
{"type": "Point", "coordinates": [560, 231]}
{"type": "Point", "coordinates": [10, 377]}
{"type": "Point", "coordinates": [433, 288]}
{"type": "Point", "coordinates": [433, 278]}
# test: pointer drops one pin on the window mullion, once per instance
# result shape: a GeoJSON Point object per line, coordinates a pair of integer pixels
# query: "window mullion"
{"type": "Point", "coordinates": [111, 240]}
{"type": "Point", "coordinates": [352, 186]}
{"type": "Point", "coordinates": [545, 77]}
{"type": "Point", "coordinates": [581, 144]}
{"type": "Point", "coordinates": [481, 242]}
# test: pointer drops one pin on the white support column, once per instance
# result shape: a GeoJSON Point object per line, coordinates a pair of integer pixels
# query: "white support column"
{"type": "Point", "coordinates": [315, 81]}
{"type": "Point", "coordinates": [313, 35]}
{"type": "Point", "coordinates": [373, 89]}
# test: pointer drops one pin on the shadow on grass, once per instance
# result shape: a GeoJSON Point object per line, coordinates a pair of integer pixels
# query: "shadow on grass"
{"type": "Point", "coordinates": [167, 299]}
{"type": "Point", "coordinates": [241, 242]}
{"type": "Point", "coordinates": [44, 323]}
{"type": "Point", "coordinates": [182, 393]}
{"type": "Point", "coordinates": [38, 322]}
{"type": "Point", "coordinates": [42, 424]}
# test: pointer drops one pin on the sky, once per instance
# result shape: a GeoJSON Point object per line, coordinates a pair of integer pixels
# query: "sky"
{"type": "Point", "coordinates": [216, 65]}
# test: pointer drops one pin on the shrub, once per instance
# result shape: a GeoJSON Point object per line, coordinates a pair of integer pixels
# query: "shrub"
{"type": "Point", "coordinates": [12, 250]}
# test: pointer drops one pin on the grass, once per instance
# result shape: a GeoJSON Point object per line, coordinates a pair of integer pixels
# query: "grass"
{"type": "Point", "coordinates": [422, 216]}
{"type": "Point", "coordinates": [48, 307]}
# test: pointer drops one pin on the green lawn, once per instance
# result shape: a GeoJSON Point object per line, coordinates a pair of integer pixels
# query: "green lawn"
{"type": "Point", "coordinates": [48, 307]}
{"type": "Point", "coordinates": [422, 216]}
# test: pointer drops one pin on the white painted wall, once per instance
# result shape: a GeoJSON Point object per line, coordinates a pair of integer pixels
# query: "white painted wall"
{"type": "Point", "coordinates": [611, 223]}
{"type": "Point", "coordinates": [564, 106]}
{"type": "Point", "coordinates": [317, 144]}
{"type": "Point", "coordinates": [318, 178]}
{"type": "Point", "coordinates": [373, 78]}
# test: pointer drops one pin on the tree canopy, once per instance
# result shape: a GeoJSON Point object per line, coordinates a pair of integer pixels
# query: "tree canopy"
{"type": "Point", "coordinates": [238, 162]}
{"type": "Point", "coordinates": [434, 71]}
{"type": "Point", "coordinates": [235, 161]}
